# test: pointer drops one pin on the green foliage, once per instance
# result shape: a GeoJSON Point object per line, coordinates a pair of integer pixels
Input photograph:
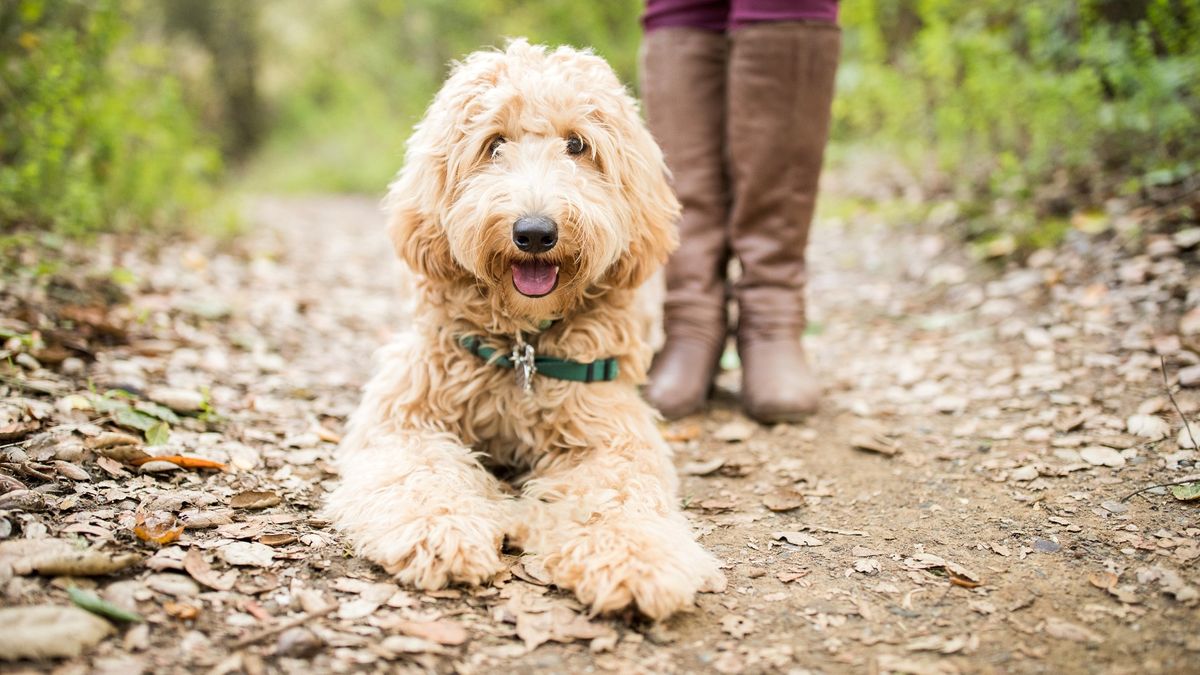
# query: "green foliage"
{"type": "Point", "coordinates": [153, 420]}
{"type": "Point", "coordinates": [1031, 107]}
{"type": "Point", "coordinates": [347, 79]}
{"type": "Point", "coordinates": [94, 133]}
{"type": "Point", "coordinates": [111, 110]}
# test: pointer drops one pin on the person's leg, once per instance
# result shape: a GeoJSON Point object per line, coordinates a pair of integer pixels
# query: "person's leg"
{"type": "Point", "coordinates": [746, 12]}
{"type": "Point", "coordinates": [684, 65]}
{"type": "Point", "coordinates": [782, 63]}
{"type": "Point", "coordinates": [709, 15]}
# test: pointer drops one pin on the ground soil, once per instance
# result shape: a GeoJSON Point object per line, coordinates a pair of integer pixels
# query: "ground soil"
{"type": "Point", "coordinates": [957, 505]}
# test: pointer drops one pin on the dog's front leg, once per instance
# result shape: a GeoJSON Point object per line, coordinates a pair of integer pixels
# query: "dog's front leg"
{"type": "Point", "coordinates": [607, 526]}
{"type": "Point", "coordinates": [421, 506]}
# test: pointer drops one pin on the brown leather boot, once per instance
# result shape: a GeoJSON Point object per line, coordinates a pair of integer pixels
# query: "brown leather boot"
{"type": "Point", "coordinates": [781, 78]}
{"type": "Point", "coordinates": [683, 86]}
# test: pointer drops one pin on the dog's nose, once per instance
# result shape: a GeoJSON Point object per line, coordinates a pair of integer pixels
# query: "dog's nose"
{"type": "Point", "coordinates": [535, 234]}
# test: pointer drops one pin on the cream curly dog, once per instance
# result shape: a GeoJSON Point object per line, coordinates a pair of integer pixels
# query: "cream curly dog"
{"type": "Point", "coordinates": [532, 204]}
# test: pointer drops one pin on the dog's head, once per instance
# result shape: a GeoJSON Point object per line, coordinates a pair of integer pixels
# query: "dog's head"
{"type": "Point", "coordinates": [533, 175]}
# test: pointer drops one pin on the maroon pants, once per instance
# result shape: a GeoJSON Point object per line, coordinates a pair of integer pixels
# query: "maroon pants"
{"type": "Point", "coordinates": [722, 15]}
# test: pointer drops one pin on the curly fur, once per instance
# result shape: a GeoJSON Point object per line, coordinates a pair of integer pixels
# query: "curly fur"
{"type": "Point", "coordinates": [597, 490]}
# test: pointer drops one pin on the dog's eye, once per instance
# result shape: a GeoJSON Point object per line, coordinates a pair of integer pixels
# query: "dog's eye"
{"type": "Point", "coordinates": [494, 146]}
{"type": "Point", "coordinates": [575, 145]}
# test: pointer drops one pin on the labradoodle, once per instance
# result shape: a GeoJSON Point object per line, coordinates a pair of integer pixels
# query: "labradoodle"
{"type": "Point", "coordinates": [532, 205]}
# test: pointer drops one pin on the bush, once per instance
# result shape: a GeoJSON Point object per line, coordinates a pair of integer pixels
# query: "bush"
{"type": "Point", "coordinates": [93, 131]}
{"type": "Point", "coordinates": [1028, 108]}
{"type": "Point", "coordinates": [346, 80]}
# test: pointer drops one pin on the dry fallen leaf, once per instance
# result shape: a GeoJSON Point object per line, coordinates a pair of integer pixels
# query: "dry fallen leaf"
{"type": "Point", "coordinates": [181, 461]}
{"type": "Point", "coordinates": [702, 468]}
{"type": "Point", "coordinates": [1099, 455]}
{"type": "Point", "coordinates": [1103, 580]}
{"type": "Point", "coordinates": [874, 443]}
{"type": "Point", "coordinates": [159, 527]}
{"type": "Point", "coordinates": [892, 663]}
{"type": "Point", "coordinates": [797, 538]}
{"type": "Point", "coordinates": [110, 439]}
{"type": "Point", "coordinates": [327, 435]}
{"type": "Point", "coordinates": [255, 499]}
{"type": "Point", "coordinates": [247, 553]}
{"type": "Point", "coordinates": [957, 574]}
{"type": "Point", "coordinates": [1107, 581]}
{"type": "Point", "coordinates": [866, 566]}
{"type": "Point", "coordinates": [1151, 427]}
{"type": "Point", "coordinates": [789, 577]}
{"type": "Point", "coordinates": [442, 632]}
{"type": "Point", "coordinates": [181, 611]}
{"type": "Point", "coordinates": [1170, 581]}
{"type": "Point", "coordinates": [24, 500]}
{"type": "Point", "coordinates": [58, 557]}
{"type": "Point", "coordinates": [394, 645]}
{"type": "Point", "coordinates": [533, 571]}
{"type": "Point", "coordinates": [112, 467]}
{"type": "Point", "coordinates": [48, 631]}
{"type": "Point", "coordinates": [783, 499]}
{"type": "Point", "coordinates": [281, 539]}
{"type": "Point", "coordinates": [195, 565]}
{"type": "Point", "coordinates": [982, 606]}
{"type": "Point", "coordinates": [962, 580]}
{"type": "Point", "coordinates": [17, 430]}
{"type": "Point", "coordinates": [69, 470]}
{"type": "Point", "coordinates": [559, 624]}
{"type": "Point", "coordinates": [713, 504]}
{"type": "Point", "coordinates": [1189, 435]}
{"type": "Point", "coordinates": [736, 431]}
{"type": "Point", "coordinates": [1065, 630]}
{"type": "Point", "coordinates": [938, 643]}
{"type": "Point", "coordinates": [196, 519]}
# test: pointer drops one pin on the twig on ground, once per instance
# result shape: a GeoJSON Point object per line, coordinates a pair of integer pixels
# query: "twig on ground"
{"type": "Point", "coordinates": [1162, 364]}
{"type": "Point", "coordinates": [290, 623]}
{"type": "Point", "coordinates": [1185, 481]}
{"type": "Point", "coordinates": [28, 385]}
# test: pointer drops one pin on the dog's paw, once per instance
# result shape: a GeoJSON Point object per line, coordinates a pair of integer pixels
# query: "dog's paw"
{"type": "Point", "coordinates": [611, 568]}
{"type": "Point", "coordinates": [432, 552]}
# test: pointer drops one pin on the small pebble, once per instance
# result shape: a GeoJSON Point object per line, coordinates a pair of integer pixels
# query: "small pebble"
{"type": "Point", "coordinates": [173, 584]}
{"type": "Point", "coordinates": [1114, 507]}
{"type": "Point", "coordinates": [72, 366]}
{"type": "Point", "coordinates": [1190, 376]}
{"type": "Point", "coordinates": [27, 361]}
{"type": "Point", "coordinates": [1046, 546]}
{"type": "Point", "coordinates": [1024, 473]}
{"type": "Point", "coordinates": [297, 643]}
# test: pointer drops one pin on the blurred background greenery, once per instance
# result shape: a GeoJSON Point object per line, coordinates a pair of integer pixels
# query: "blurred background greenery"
{"type": "Point", "coordinates": [123, 114]}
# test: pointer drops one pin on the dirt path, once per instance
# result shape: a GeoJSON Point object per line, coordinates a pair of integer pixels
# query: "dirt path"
{"type": "Point", "coordinates": [979, 527]}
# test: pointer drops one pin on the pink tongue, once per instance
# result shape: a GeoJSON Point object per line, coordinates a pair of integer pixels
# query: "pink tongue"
{"type": "Point", "coordinates": [534, 278]}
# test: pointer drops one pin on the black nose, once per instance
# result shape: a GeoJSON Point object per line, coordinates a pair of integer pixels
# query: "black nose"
{"type": "Point", "coordinates": [535, 234]}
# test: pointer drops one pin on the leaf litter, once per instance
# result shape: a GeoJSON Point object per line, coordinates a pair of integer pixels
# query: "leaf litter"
{"type": "Point", "coordinates": [1011, 434]}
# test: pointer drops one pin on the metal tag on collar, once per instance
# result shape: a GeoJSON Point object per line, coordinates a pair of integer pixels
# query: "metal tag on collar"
{"type": "Point", "coordinates": [523, 364]}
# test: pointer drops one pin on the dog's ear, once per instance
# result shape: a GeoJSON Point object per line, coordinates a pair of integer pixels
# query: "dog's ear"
{"type": "Point", "coordinates": [642, 176]}
{"type": "Point", "coordinates": [421, 244]}
{"type": "Point", "coordinates": [417, 236]}
{"type": "Point", "coordinates": [437, 156]}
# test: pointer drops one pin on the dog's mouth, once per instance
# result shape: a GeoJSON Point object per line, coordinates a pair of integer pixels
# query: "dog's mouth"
{"type": "Point", "coordinates": [535, 278]}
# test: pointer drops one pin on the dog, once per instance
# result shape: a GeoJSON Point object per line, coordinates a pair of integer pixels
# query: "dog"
{"type": "Point", "coordinates": [532, 205]}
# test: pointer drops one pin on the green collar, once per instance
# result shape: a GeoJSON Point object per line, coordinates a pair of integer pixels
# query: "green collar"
{"type": "Point", "coordinates": [526, 363]}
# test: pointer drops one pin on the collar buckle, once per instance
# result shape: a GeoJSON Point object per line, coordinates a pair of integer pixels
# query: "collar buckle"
{"type": "Point", "coordinates": [524, 364]}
